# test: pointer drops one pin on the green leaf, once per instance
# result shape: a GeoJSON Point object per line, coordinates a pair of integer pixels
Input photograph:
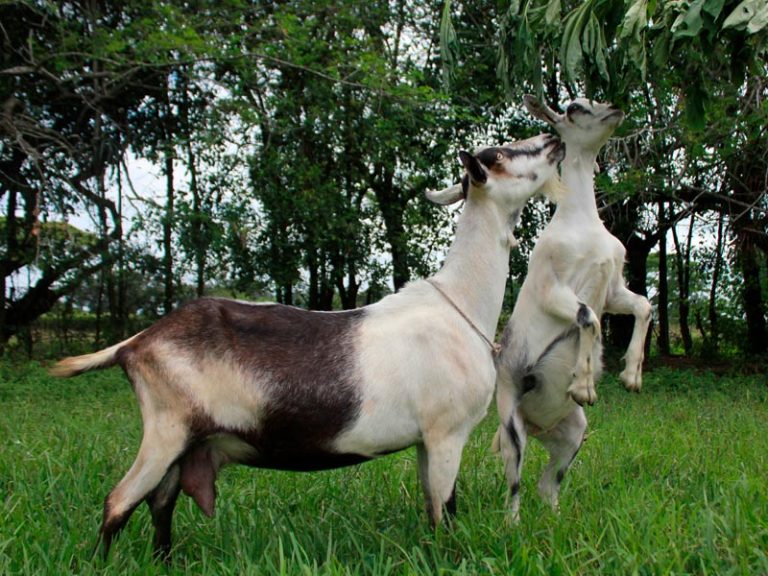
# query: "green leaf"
{"type": "Point", "coordinates": [695, 99]}
{"type": "Point", "coordinates": [661, 48]}
{"type": "Point", "coordinates": [743, 14]}
{"type": "Point", "coordinates": [449, 45]}
{"type": "Point", "coordinates": [571, 54]}
{"type": "Point", "coordinates": [713, 7]}
{"type": "Point", "coordinates": [759, 21]}
{"type": "Point", "coordinates": [552, 15]}
{"type": "Point", "coordinates": [514, 8]}
{"type": "Point", "coordinates": [689, 23]}
{"type": "Point", "coordinates": [589, 38]}
{"type": "Point", "coordinates": [635, 20]}
{"type": "Point", "coordinates": [602, 65]}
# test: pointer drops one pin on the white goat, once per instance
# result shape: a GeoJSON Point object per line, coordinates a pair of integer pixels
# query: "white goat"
{"type": "Point", "coordinates": [270, 386]}
{"type": "Point", "coordinates": [551, 349]}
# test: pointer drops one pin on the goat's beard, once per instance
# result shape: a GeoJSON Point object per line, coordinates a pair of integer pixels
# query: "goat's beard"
{"type": "Point", "coordinates": [553, 189]}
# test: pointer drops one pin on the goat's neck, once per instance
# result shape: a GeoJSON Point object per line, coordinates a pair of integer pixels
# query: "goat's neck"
{"type": "Point", "coordinates": [475, 270]}
{"type": "Point", "coordinates": [578, 175]}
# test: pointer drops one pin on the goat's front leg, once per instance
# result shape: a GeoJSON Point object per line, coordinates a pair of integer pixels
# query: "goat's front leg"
{"type": "Point", "coordinates": [623, 301]}
{"type": "Point", "coordinates": [439, 460]}
{"type": "Point", "coordinates": [560, 301]}
{"type": "Point", "coordinates": [582, 388]}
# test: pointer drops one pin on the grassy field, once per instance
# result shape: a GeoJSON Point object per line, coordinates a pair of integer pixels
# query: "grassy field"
{"type": "Point", "coordinates": [672, 481]}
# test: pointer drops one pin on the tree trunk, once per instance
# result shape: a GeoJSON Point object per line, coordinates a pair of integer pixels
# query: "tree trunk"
{"type": "Point", "coordinates": [392, 209]}
{"type": "Point", "coordinates": [121, 318]}
{"type": "Point", "coordinates": [197, 223]}
{"type": "Point", "coordinates": [713, 343]}
{"type": "Point", "coordinates": [683, 259]}
{"type": "Point", "coordinates": [754, 308]}
{"type": "Point", "coordinates": [663, 300]}
{"type": "Point", "coordinates": [169, 133]}
{"type": "Point", "coordinates": [168, 284]}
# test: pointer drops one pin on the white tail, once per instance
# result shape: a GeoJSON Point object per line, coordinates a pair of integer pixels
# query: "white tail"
{"type": "Point", "coordinates": [75, 365]}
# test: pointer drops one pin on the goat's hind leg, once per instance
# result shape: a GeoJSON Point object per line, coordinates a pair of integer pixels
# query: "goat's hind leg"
{"type": "Point", "coordinates": [160, 447]}
{"type": "Point", "coordinates": [563, 443]}
{"type": "Point", "coordinates": [512, 439]}
{"type": "Point", "coordinates": [161, 502]}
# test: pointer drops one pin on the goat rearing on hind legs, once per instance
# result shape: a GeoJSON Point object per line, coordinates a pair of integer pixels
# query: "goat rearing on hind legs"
{"type": "Point", "coordinates": [221, 381]}
{"type": "Point", "coordinates": [551, 348]}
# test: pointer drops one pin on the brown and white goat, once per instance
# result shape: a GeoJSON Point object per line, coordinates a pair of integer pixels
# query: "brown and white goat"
{"type": "Point", "coordinates": [221, 381]}
{"type": "Point", "coordinates": [551, 349]}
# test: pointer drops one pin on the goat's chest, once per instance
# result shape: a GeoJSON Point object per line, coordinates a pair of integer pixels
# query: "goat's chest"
{"type": "Point", "coordinates": [586, 263]}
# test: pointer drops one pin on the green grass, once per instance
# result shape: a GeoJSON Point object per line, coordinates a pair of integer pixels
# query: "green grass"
{"type": "Point", "coordinates": [672, 481]}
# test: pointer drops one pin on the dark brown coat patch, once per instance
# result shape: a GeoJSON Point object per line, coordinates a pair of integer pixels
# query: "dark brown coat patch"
{"type": "Point", "coordinates": [306, 363]}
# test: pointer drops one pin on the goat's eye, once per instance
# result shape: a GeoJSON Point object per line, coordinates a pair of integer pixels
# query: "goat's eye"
{"type": "Point", "coordinates": [499, 156]}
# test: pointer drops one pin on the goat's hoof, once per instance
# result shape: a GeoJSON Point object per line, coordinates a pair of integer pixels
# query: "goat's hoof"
{"type": "Point", "coordinates": [583, 395]}
{"type": "Point", "coordinates": [632, 380]}
{"type": "Point", "coordinates": [512, 518]}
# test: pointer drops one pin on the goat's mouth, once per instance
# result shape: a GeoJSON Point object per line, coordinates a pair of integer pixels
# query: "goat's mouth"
{"type": "Point", "coordinates": [615, 115]}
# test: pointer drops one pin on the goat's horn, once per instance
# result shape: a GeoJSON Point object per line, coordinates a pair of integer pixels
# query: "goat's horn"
{"type": "Point", "coordinates": [447, 195]}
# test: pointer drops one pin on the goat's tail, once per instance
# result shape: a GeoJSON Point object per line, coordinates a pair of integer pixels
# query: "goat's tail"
{"type": "Point", "coordinates": [75, 365]}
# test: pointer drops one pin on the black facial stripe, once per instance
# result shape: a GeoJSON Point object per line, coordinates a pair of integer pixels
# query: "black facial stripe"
{"type": "Point", "coordinates": [489, 155]}
{"type": "Point", "coordinates": [465, 185]}
{"type": "Point", "coordinates": [578, 108]}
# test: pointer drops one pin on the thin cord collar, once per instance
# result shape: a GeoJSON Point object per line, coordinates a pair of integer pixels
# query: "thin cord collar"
{"type": "Point", "coordinates": [495, 348]}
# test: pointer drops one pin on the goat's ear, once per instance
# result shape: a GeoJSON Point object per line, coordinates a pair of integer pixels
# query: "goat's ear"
{"type": "Point", "coordinates": [446, 196]}
{"type": "Point", "coordinates": [540, 110]}
{"type": "Point", "coordinates": [473, 167]}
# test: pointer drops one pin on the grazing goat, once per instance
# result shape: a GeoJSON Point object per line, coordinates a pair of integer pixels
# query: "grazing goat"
{"type": "Point", "coordinates": [221, 381]}
{"type": "Point", "coordinates": [551, 349]}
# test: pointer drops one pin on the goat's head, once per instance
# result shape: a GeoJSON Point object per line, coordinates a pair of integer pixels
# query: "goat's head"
{"type": "Point", "coordinates": [507, 175]}
{"type": "Point", "coordinates": [585, 124]}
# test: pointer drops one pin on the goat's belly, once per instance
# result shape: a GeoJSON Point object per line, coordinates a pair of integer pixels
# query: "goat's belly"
{"type": "Point", "coordinates": [205, 457]}
{"type": "Point", "coordinates": [546, 400]}
{"type": "Point", "coordinates": [545, 407]}
{"type": "Point", "coordinates": [299, 456]}
{"type": "Point", "coordinates": [376, 434]}
{"type": "Point", "coordinates": [302, 461]}
{"type": "Point", "coordinates": [319, 441]}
